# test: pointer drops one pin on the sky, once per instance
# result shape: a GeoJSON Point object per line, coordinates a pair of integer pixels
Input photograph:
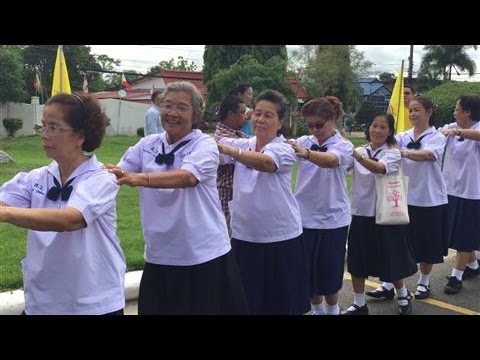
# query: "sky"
{"type": "Point", "coordinates": [386, 58]}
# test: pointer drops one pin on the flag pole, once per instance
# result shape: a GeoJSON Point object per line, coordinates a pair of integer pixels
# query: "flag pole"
{"type": "Point", "coordinates": [61, 67]}
{"type": "Point", "coordinates": [400, 103]}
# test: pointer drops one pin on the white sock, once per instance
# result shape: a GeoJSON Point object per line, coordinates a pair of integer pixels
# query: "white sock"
{"type": "Point", "coordinates": [318, 309]}
{"type": "Point", "coordinates": [473, 265]}
{"type": "Point", "coordinates": [387, 285]}
{"type": "Point", "coordinates": [402, 293]}
{"type": "Point", "coordinates": [457, 273]}
{"type": "Point", "coordinates": [424, 279]}
{"type": "Point", "coordinates": [332, 309]}
{"type": "Point", "coordinates": [477, 254]}
{"type": "Point", "coordinates": [359, 299]}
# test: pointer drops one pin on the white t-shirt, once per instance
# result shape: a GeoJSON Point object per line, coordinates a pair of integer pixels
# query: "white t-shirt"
{"type": "Point", "coordinates": [426, 185]}
{"type": "Point", "coordinates": [363, 181]}
{"type": "Point", "coordinates": [72, 272]}
{"type": "Point", "coordinates": [322, 192]}
{"type": "Point", "coordinates": [462, 165]}
{"type": "Point", "coordinates": [263, 208]}
{"type": "Point", "coordinates": [182, 226]}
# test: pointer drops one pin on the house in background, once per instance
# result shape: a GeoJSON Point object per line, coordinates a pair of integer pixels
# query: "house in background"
{"type": "Point", "coordinates": [375, 92]}
{"type": "Point", "coordinates": [143, 87]}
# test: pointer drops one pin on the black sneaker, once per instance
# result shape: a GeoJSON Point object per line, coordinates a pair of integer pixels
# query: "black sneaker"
{"type": "Point", "coordinates": [453, 286]}
{"type": "Point", "coordinates": [469, 273]}
{"type": "Point", "coordinates": [356, 310]}
{"type": "Point", "coordinates": [382, 293]}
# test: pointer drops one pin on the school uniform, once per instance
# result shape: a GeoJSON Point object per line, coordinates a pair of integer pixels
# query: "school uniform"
{"type": "Point", "coordinates": [376, 250]}
{"type": "Point", "coordinates": [77, 272]}
{"type": "Point", "coordinates": [267, 232]}
{"type": "Point", "coordinates": [189, 268]}
{"type": "Point", "coordinates": [324, 204]}
{"type": "Point", "coordinates": [427, 196]}
{"type": "Point", "coordinates": [462, 177]}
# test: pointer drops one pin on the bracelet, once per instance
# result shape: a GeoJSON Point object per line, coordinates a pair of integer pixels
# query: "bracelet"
{"type": "Point", "coordinates": [459, 132]}
{"type": "Point", "coordinates": [239, 153]}
{"type": "Point", "coordinates": [148, 178]}
{"type": "Point", "coordinates": [308, 154]}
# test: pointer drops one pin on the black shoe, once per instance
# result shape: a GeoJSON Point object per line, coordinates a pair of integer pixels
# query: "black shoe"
{"type": "Point", "coordinates": [358, 310]}
{"type": "Point", "coordinates": [382, 293]}
{"type": "Point", "coordinates": [469, 273]}
{"type": "Point", "coordinates": [453, 286]}
{"type": "Point", "coordinates": [405, 309]}
{"type": "Point", "coordinates": [422, 294]}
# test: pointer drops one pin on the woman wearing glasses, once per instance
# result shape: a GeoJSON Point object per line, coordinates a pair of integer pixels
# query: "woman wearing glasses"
{"type": "Point", "coordinates": [74, 263]}
{"type": "Point", "coordinates": [462, 174]}
{"type": "Point", "coordinates": [325, 156]}
{"type": "Point", "coordinates": [189, 268]}
{"type": "Point", "coordinates": [422, 153]}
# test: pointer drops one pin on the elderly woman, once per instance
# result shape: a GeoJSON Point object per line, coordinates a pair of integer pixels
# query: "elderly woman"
{"type": "Point", "coordinates": [462, 174]}
{"type": "Point", "coordinates": [266, 225]}
{"type": "Point", "coordinates": [189, 268]}
{"type": "Point", "coordinates": [74, 263]}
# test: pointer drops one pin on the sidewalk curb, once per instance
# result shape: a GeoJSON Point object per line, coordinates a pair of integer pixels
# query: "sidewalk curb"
{"type": "Point", "coordinates": [13, 303]}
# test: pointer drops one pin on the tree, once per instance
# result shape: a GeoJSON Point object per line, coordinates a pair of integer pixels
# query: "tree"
{"type": "Point", "coordinates": [218, 57]}
{"type": "Point", "coordinates": [270, 75]}
{"type": "Point", "coordinates": [387, 77]}
{"type": "Point", "coordinates": [181, 64]}
{"type": "Point", "coordinates": [333, 70]}
{"type": "Point", "coordinates": [441, 59]}
{"type": "Point", "coordinates": [12, 78]}
{"type": "Point", "coordinates": [41, 59]}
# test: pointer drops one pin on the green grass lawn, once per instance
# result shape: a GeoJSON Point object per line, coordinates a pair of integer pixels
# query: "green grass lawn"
{"type": "Point", "coordinates": [28, 154]}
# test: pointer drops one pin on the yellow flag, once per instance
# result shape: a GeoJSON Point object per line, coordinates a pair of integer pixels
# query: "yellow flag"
{"type": "Point", "coordinates": [396, 107]}
{"type": "Point", "coordinates": [61, 83]}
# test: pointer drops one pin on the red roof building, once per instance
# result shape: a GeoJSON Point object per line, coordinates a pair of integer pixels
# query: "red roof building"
{"type": "Point", "coordinates": [143, 87]}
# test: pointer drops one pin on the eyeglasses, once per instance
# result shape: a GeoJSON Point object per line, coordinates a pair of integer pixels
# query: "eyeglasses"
{"type": "Point", "coordinates": [39, 129]}
{"type": "Point", "coordinates": [317, 126]}
{"type": "Point", "coordinates": [180, 109]}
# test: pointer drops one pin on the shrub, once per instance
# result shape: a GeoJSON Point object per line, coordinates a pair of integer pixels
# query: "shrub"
{"type": "Point", "coordinates": [12, 125]}
{"type": "Point", "coordinates": [445, 96]}
{"type": "Point", "coordinates": [140, 132]}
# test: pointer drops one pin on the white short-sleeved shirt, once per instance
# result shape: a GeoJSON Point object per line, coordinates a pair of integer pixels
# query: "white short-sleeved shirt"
{"type": "Point", "coordinates": [263, 208]}
{"type": "Point", "coordinates": [363, 181]}
{"type": "Point", "coordinates": [462, 165]}
{"type": "Point", "coordinates": [322, 192]}
{"type": "Point", "coordinates": [426, 186]}
{"type": "Point", "coordinates": [181, 226]}
{"type": "Point", "coordinates": [71, 272]}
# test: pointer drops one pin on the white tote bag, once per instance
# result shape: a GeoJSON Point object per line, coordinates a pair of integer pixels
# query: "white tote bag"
{"type": "Point", "coordinates": [391, 204]}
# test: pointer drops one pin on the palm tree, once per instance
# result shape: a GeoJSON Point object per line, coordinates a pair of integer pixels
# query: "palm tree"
{"type": "Point", "coordinates": [440, 59]}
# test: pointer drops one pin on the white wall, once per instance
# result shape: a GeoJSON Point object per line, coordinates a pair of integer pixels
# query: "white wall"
{"type": "Point", "coordinates": [125, 116]}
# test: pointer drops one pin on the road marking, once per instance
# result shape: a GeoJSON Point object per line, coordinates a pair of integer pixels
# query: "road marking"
{"type": "Point", "coordinates": [433, 302]}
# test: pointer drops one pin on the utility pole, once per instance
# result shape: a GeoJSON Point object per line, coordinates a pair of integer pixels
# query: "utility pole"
{"type": "Point", "coordinates": [410, 66]}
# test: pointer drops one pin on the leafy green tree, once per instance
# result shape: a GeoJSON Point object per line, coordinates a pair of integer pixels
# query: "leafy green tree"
{"type": "Point", "coordinates": [12, 76]}
{"type": "Point", "coordinates": [386, 77]}
{"type": "Point", "coordinates": [218, 57]}
{"type": "Point", "coordinates": [181, 64]}
{"type": "Point", "coordinates": [441, 59]}
{"type": "Point", "coordinates": [365, 114]}
{"type": "Point", "coordinates": [329, 71]}
{"type": "Point", "coordinates": [270, 75]}
{"type": "Point", "coordinates": [40, 59]}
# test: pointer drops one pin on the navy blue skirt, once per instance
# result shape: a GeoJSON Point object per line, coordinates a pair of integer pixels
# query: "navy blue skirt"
{"type": "Point", "coordinates": [463, 223]}
{"type": "Point", "coordinates": [428, 233]}
{"type": "Point", "coordinates": [381, 251]}
{"type": "Point", "coordinates": [274, 276]}
{"type": "Point", "coordinates": [325, 256]}
{"type": "Point", "coordinates": [211, 288]}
